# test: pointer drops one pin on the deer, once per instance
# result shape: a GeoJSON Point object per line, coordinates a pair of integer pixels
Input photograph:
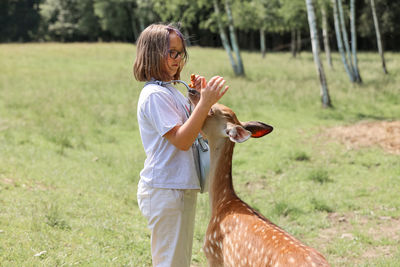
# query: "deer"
{"type": "Point", "coordinates": [237, 234]}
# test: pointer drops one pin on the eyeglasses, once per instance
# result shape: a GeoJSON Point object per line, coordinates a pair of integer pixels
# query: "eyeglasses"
{"type": "Point", "coordinates": [175, 54]}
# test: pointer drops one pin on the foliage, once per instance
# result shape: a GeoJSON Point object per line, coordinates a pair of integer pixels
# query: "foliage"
{"type": "Point", "coordinates": [19, 20]}
{"type": "Point", "coordinates": [123, 20]}
{"type": "Point", "coordinates": [294, 14]}
{"type": "Point", "coordinates": [257, 14]}
{"type": "Point", "coordinates": [389, 19]}
{"type": "Point", "coordinates": [68, 20]}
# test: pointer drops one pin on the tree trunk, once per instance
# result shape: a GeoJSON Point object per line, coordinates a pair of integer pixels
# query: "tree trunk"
{"type": "Point", "coordinates": [298, 41]}
{"type": "Point", "coordinates": [224, 38]}
{"type": "Point", "coordinates": [345, 38]}
{"type": "Point", "coordinates": [234, 42]}
{"type": "Point", "coordinates": [325, 98]}
{"type": "Point", "coordinates": [378, 36]}
{"type": "Point", "coordinates": [293, 47]}
{"type": "Point", "coordinates": [262, 43]}
{"type": "Point", "coordinates": [354, 41]}
{"type": "Point", "coordinates": [132, 25]}
{"type": "Point", "coordinates": [340, 41]}
{"type": "Point", "coordinates": [325, 35]}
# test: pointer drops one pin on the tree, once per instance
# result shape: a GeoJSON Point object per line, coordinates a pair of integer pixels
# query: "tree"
{"type": "Point", "coordinates": [339, 40]}
{"type": "Point", "coordinates": [378, 36]}
{"type": "Point", "coordinates": [258, 15]}
{"type": "Point", "coordinates": [387, 12]}
{"type": "Point", "coordinates": [354, 41]}
{"type": "Point", "coordinates": [325, 33]}
{"type": "Point", "coordinates": [123, 19]}
{"type": "Point", "coordinates": [69, 20]}
{"type": "Point", "coordinates": [293, 13]}
{"type": "Point", "coordinates": [351, 54]}
{"type": "Point", "coordinates": [234, 42]}
{"type": "Point", "coordinates": [325, 98]}
{"type": "Point", "coordinates": [237, 64]}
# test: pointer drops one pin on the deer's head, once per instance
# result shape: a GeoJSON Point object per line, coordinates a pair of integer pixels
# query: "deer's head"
{"type": "Point", "coordinates": [223, 123]}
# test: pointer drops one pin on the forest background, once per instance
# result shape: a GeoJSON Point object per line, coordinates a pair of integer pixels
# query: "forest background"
{"type": "Point", "coordinates": [280, 21]}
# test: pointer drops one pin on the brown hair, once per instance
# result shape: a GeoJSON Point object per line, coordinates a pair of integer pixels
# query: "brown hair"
{"type": "Point", "coordinates": [152, 51]}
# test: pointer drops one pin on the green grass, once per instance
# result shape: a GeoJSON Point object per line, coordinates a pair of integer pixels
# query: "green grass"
{"type": "Point", "coordinates": [70, 155]}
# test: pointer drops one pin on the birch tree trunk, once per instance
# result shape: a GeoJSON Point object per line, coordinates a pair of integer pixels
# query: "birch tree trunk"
{"type": "Point", "coordinates": [325, 98]}
{"type": "Point", "coordinates": [345, 38]}
{"type": "Point", "coordinates": [325, 35]}
{"type": "Point", "coordinates": [340, 41]}
{"type": "Point", "coordinates": [378, 36]}
{"type": "Point", "coordinates": [224, 38]}
{"type": "Point", "coordinates": [262, 42]}
{"type": "Point", "coordinates": [354, 41]}
{"type": "Point", "coordinates": [234, 42]}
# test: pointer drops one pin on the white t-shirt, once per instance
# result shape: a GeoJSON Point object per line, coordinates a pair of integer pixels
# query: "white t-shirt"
{"type": "Point", "coordinates": [159, 110]}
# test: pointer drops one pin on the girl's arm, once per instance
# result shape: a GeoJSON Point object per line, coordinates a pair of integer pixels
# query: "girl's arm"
{"type": "Point", "coordinates": [183, 136]}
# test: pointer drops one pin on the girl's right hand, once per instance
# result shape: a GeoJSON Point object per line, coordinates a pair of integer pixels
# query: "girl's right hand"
{"type": "Point", "coordinates": [212, 91]}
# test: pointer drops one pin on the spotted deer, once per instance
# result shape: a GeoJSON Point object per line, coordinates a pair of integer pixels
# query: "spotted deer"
{"type": "Point", "coordinates": [237, 235]}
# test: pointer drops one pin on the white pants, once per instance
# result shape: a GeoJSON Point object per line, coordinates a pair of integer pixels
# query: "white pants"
{"type": "Point", "coordinates": [170, 214]}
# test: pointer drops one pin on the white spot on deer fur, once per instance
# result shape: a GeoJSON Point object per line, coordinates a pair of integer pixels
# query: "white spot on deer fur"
{"type": "Point", "coordinates": [291, 260]}
{"type": "Point", "coordinates": [212, 251]}
{"type": "Point", "coordinates": [308, 258]}
{"type": "Point", "coordinates": [273, 237]}
{"type": "Point", "coordinates": [222, 228]}
{"type": "Point", "coordinates": [206, 250]}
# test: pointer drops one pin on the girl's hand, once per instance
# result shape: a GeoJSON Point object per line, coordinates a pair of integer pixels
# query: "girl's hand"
{"type": "Point", "coordinates": [197, 82]}
{"type": "Point", "coordinates": [212, 91]}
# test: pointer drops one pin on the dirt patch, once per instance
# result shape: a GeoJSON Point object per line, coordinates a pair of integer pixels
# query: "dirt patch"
{"type": "Point", "coordinates": [385, 134]}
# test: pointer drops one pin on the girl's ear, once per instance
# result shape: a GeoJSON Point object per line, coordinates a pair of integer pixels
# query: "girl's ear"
{"type": "Point", "coordinates": [257, 129]}
{"type": "Point", "coordinates": [237, 133]}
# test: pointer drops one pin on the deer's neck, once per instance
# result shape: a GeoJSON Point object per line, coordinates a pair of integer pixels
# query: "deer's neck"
{"type": "Point", "coordinates": [221, 187]}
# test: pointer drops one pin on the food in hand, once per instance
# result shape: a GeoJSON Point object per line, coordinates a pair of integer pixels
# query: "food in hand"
{"type": "Point", "coordinates": [192, 79]}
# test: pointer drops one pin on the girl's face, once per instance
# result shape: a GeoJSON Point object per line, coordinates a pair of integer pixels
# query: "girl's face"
{"type": "Point", "coordinates": [174, 55]}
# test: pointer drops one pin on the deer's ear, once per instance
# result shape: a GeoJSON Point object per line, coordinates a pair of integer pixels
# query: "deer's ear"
{"type": "Point", "coordinates": [237, 133]}
{"type": "Point", "coordinates": [257, 129]}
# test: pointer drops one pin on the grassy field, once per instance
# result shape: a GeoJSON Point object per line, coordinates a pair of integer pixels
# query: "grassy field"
{"type": "Point", "coordinates": [70, 155]}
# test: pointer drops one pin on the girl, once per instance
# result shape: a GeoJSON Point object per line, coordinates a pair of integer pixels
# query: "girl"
{"type": "Point", "coordinates": [168, 186]}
